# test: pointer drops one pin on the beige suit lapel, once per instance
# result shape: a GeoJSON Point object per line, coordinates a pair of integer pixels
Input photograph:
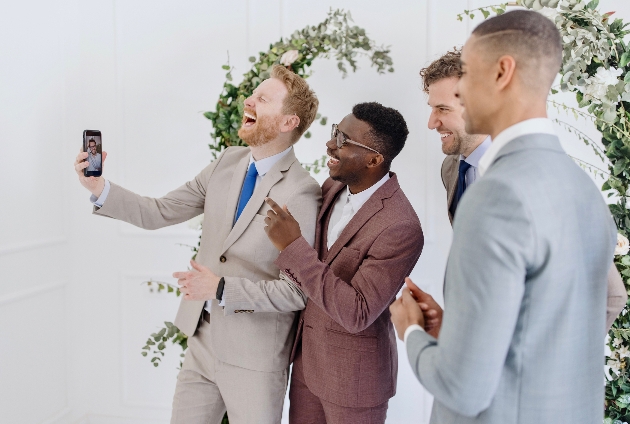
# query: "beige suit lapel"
{"type": "Point", "coordinates": [450, 180]}
{"type": "Point", "coordinates": [270, 179]}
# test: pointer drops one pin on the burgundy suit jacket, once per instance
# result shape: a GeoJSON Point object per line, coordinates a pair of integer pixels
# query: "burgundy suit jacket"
{"type": "Point", "coordinates": [349, 353]}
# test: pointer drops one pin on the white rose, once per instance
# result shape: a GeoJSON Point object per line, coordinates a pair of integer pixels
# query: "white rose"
{"type": "Point", "coordinates": [623, 245]}
{"type": "Point", "coordinates": [289, 57]}
{"type": "Point", "coordinates": [623, 352]}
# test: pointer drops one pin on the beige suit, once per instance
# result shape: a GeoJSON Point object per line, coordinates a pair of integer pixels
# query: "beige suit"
{"type": "Point", "coordinates": [256, 328]}
{"type": "Point", "coordinates": [617, 295]}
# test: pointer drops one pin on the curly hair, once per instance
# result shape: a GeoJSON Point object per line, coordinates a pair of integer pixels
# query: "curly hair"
{"type": "Point", "coordinates": [300, 100]}
{"type": "Point", "coordinates": [447, 66]}
{"type": "Point", "coordinates": [389, 129]}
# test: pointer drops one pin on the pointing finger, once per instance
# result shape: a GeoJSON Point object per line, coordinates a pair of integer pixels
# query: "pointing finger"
{"type": "Point", "coordinates": [277, 209]}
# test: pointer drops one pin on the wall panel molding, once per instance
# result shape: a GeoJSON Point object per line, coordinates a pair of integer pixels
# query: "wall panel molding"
{"type": "Point", "coordinates": [59, 417]}
{"type": "Point", "coordinates": [29, 293]}
{"type": "Point", "coordinates": [31, 245]}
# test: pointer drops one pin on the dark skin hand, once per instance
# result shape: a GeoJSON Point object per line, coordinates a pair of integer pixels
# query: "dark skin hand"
{"type": "Point", "coordinates": [430, 308]}
{"type": "Point", "coordinates": [282, 229]}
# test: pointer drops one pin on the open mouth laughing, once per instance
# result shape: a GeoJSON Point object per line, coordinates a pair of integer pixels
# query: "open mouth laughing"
{"type": "Point", "coordinates": [249, 120]}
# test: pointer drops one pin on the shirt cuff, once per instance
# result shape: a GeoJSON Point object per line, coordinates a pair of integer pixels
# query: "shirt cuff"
{"type": "Point", "coordinates": [412, 328]}
{"type": "Point", "coordinates": [98, 202]}
{"type": "Point", "coordinates": [222, 302]}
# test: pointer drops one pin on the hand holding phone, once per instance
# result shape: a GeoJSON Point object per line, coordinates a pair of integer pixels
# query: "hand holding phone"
{"type": "Point", "coordinates": [89, 162]}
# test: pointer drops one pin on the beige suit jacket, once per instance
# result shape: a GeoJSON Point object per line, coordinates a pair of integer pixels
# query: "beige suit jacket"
{"type": "Point", "coordinates": [617, 295]}
{"type": "Point", "coordinates": [256, 328]}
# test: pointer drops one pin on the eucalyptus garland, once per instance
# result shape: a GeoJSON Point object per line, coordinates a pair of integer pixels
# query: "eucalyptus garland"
{"type": "Point", "coordinates": [336, 37]}
{"type": "Point", "coordinates": [595, 67]}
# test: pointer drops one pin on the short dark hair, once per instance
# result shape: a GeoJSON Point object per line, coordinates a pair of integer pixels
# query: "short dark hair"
{"type": "Point", "coordinates": [91, 140]}
{"type": "Point", "coordinates": [447, 66]}
{"type": "Point", "coordinates": [531, 38]}
{"type": "Point", "coordinates": [389, 129]}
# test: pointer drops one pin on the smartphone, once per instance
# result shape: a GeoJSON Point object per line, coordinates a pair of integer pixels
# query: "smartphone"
{"type": "Point", "coordinates": [93, 145]}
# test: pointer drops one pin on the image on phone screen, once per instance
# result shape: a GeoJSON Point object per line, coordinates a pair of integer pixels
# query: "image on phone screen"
{"type": "Point", "coordinates": [93, 147]}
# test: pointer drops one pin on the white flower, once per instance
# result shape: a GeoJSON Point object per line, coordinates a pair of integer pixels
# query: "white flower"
{"type": "Point", "coordinates": [597, 86]}
{"type": "Point", "coordinates": [617, 342]}
{"type": "Point", "coordinates": [195, 223]}
{"type": "Point", "coordinates": [614, 365]}
{"type": "Point", "coordinates": [623, 245]}
{"type": "Point", "coordinates": [289, 57]}
{"type": "Point", "coordinates": [623, 352]}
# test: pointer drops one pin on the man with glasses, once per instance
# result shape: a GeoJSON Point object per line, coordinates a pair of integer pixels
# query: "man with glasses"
{"type": "Point", "coordinates": [368, 239]}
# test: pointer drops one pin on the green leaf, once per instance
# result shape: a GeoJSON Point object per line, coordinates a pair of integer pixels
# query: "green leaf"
{"type": "Point", "coordinates": [625, 59]}
{"type": "Point", "coordinates": [226, 67]}
{"type": "Point", "coordinates": [485, 13]}
{"type": "Point", "coordinates": [252, 59]}
{"type": "Point", "coordinates": [307, 134]}
{"type": "Point", "coordinates": [592, 5]}
{"type": "Point", "coordinates": [144, 353]}
{"type": "Point", "coordinates": [627, 77]}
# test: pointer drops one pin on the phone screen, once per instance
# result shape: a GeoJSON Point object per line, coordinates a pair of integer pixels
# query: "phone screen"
{"type": "Point", "coordinates": [93, 145]}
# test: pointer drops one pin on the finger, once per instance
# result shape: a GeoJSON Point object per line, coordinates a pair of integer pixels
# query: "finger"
{"type": "Point", "coordinates": [430, 314]}
{"type": "Point", "coordinates": [181, 275]}
{"type": "Point", "coordinates": [416, 291]}
{"type": "Point", "coordinates": [104, 155]}
{"type": "Point", "coordinates": [79, 167]}
{"type": "Point", "coordinates": [197, 266]}
{"type": "Point", "coordinates": [80, 157]}
{"type": "Point", "coordinates": [277, 209]}
{"type": "Point", "coordinates": [407, 298]}
{"type": "Point", "coordinates": [286, 209]}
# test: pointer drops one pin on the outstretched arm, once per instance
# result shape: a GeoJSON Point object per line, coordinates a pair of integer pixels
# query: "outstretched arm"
{"type": "Point", "coordinates": [150, 213]}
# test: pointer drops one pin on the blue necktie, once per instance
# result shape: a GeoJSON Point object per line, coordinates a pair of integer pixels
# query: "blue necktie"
{"type": "Point", "coordinates": [461, 184]}
{"type": "Point", "coordinates": [248, 189]}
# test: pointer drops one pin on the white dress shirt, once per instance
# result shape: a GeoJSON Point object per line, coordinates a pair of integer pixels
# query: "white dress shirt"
{"type": "Point", "coordinates": [473, 159]}
{"type": "Point", "coordinates": [346, 207]}
{"type": "Point", "coordinates": [262, 166]}
{"type": "Point", "coordinates": [529, 126]}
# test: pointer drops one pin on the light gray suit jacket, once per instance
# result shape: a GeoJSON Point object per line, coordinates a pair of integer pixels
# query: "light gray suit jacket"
{"type": "Point", "coordinates": [617, 296]}
{"type": "Point", "coordinates": [256, 328]}
{"type": "Point", "coordinates": [522, 339]}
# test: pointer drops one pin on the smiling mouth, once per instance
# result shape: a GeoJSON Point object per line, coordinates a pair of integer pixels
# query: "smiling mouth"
{"type": "Point", "coordinates": [332, 161]}
{"type": "Point", "coordinates": [444, 136]}
{"type": "Point", "coordinates": [248, 119]}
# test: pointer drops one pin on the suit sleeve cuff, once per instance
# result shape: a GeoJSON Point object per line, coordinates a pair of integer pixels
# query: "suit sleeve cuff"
{"type": "Point", "coordinates": [412, 328]}
{"type": "Point", "coordinates": [98, 202]}
{"type": "Point", "coordinates": [293, 257]}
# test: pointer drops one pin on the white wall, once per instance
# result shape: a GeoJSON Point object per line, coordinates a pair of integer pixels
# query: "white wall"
{"type": "Point", "coordinates": [73, 315]}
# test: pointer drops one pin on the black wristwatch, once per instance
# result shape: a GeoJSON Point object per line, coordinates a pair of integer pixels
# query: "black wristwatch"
{"type": "Point", "coordinates": [220, 289]}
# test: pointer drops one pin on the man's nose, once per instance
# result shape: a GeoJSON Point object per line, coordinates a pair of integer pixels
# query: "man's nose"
{"type": "Point", "coordinates": [249, 102]}
{"type": "Point", "coordinates": [434, 122]}
{"type": "Point", "coordinates": [331, 144]}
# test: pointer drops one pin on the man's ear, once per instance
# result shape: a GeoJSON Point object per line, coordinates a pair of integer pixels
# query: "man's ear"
{"type": "Point", "coordinates": [289, 123]}
{"type": "Point", "coordinates": [505, 68]}
{"type": "Point", "coordinates": [376, 161]}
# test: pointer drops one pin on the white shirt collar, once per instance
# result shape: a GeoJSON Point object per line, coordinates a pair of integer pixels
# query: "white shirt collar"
{"type": "Point", "coordinates": [264, 165]}
{"type": "Point", "coordinates": [476, 155]}
{"type": "Point", "coordinates": [529, 126]}
{"type": "Point", "coordinates": [359, 199]}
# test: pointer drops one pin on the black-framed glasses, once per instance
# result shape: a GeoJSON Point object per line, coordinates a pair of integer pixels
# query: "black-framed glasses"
{"type": "Point", "coordinates": [343, 139]}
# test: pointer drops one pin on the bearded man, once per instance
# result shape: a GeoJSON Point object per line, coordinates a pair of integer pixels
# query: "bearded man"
{"type": "Point", "coordinates": [237, 310]}
{"type": "Point", "coordinates": [94, 157]}
{"type": "Point", "coordinates": [459, 169]}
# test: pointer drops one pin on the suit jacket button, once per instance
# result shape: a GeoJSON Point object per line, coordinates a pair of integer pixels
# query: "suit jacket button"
{"type": "Point", "coordinates": [222, 258]}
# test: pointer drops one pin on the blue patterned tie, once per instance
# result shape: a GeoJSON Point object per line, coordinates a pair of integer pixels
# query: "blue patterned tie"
{"type": "Point", "coordinates": [248, 189]}
{"type": "Point", "coordinates": [461, 184]}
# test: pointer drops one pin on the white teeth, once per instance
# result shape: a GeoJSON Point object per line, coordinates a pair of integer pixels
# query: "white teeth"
{"type": "Point", "coordinates": [250, 116]}
{"type": "Point", "coordinates": [444, 135]}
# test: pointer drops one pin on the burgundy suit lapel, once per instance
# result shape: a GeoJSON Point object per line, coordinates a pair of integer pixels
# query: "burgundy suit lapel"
{"type": "Point", "coordinates": [367, 211]}
{"type": "Point", "coordinates": [321, 236]}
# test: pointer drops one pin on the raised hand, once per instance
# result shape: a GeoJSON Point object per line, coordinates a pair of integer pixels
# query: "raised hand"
{"type": "Point", "coordinates": [430, 308]}
{"type": "Point", "coordinates": [282, 229]}
{"type": "Point", "coordinates": [200, 283]}
{"type": "Point", "coordinates": [94, 184]}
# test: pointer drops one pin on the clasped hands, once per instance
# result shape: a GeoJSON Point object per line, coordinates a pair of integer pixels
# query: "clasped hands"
{"type": "Point", "coordinates": [416, 307]}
